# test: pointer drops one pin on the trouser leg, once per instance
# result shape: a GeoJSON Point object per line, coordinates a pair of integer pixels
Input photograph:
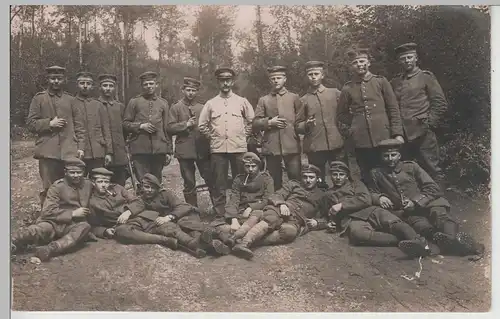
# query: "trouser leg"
{"type": "Point", "coordinates": [141, 165]}
{"type": "Point", "coordinates": [252, 220]}
{"type": "Point", "coordinates": [428, 154]}
{"type": "Point", "coordinates": [50, 171]}
{"type": "Point", "coordinates": [362, 233]}
{"type": "Point", "coordinates": [120, 174]}
{"type": "Point", "coordinates": [187, 168]}
{"type": "Point", "coordinates": [236, 164]}
{"type": "Point", "coordinates": [220, 167]}
{"type": "Point", "coordinates": [39, 234]}
{"type": "Point", "coordinates": [205, 170]}
{"type": "Point", "coordinates": [319, 160]}
{"type": "Point", "coordinates": [131, 234]}
{"type": "Point", "coordinates": [274, 169]}
{"type": "Point", "coordinates": [70, 236]}
{"type": "Point", "coordinates": [384, 220]}
{"type": "Point", "coordinates": [293, 166]}
{"type": "Point", "coordinates": [91, 163]}
{"type": "Point", "coordinates": [157, 164]}
{"type": "Point", "coordinates": [367, 159]}
{"type": "Point", "coordinates": [286, 234]}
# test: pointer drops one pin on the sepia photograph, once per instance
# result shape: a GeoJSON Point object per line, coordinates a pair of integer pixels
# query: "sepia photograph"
{"type": "Point", "coordinates": [250, 158]}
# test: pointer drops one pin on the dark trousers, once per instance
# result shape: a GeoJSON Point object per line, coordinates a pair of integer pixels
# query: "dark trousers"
{"type": "Point", "coordinates": [120, 174]}
{"type": "Point", "coordinates": [292, 165]}
{"type": "Point", "coordinates": [321, 158]}
{"type": "Point", "coordinates": [427, 221]}
{"type": "Point", "coordinates": [91, 163]}
{"type": "Point", "coordinates": [220, 167]}
{"type": "Point", "coordinates": [64, 236]}
{"type": "Point", "coordinates": [148, 163]}
{"type": "Point", "coordinates": [382, 228]}
{"type": "Point", "coordinates": [188, 173]}
{"type": "Point", "coordinates": [367, 158]}
{"type": "Point", "coordinates": [425, 151]}
{"type": "Point", "coordinates": [50, 171]}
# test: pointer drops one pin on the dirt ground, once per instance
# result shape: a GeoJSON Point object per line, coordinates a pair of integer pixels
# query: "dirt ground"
{"type": "Point", "coordinates": [319, 272]}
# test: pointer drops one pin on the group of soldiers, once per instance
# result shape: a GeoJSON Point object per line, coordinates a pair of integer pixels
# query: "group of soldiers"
{"type": "Point", "coordinates": [83, 161]}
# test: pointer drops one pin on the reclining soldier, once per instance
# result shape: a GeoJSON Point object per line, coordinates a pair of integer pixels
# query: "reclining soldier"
{"type": "Point", "coordinates": [163, 221]}
{"type": "Point", "coordinates": [61, 225]}
{"type": "Point", "coordinates": [410, 193]}
{"type": "Point", "coordinates": [289, 213]}
{"type": "Point", "coordinates": [350, 207]}
{"type": "Point", "coordinates": [110, 204]}
{"type": "Point", "coordinates": [248, 197]}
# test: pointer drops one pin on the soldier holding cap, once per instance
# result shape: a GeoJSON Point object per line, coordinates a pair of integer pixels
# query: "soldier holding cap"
{"type": "Point", "coordinates": [62, 224]}
{"type": "Point", "coordinates": [349, 205]}
{"type": "Point", "coordinates": [423, 104]}
{"type": "Point", "coordinates": [247, 198]}
{"type": "Point", "coordinates": [407, 190]}
{"type": "Point", "coordinates": [114, 112]}
{"type": "Point", "coordinates": [290, 212]}
{"type": "Point", "coordinates": [191, 147]}
{"type": "Point", "coordinates": [226, 120]}
{"type": "Point", "coordinates": [322, 140]}
{"type": "Point", "coordinates": [146, 118]}
{"type": "Point", "coordinates": [369, 108]}
{"type": "Point", "coordinates": [98, 147]}
{"type": "Point", "coordinates": [56, 122]}
{"type": "Point", "coordinates": [280, 114]}
{"type": "Point", "coordinates": [110, 204]}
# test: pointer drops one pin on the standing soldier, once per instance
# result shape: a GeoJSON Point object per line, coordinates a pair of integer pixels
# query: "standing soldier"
{"type": "Point", "coordinates": [369, 108]}
{"type": "Point", "coordinates": [227, 121]}
{"type": "Point", "coordinates": [146, 118]}
{"type": "Point", "coordinates": [190, 146]}
{"type": "Point", "coordinates": [114, 111]}
{"type": "Point", "coordinates": [280, 114]}
{"type": "Point", "coordinates": [422, 103]}
{"type": "Point", "coordinates": [59, 127]}
{"type": "Point", "coordinates": [322, 141]}
{"type": "Point", "coordinates": [98, 147]}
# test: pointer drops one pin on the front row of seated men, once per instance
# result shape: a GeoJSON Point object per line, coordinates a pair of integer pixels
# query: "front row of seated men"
{"type": "Point", "coordinates": [402, 206]}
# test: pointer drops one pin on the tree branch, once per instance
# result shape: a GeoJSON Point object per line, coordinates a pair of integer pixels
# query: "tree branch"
{"type": "Point", "coordinates": [15, 13]}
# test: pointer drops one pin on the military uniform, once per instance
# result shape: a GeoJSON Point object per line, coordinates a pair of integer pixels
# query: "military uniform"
{"type": "Point", "coordinates": [105, 209]}
{"type": "Point", "coordinates": [322, 142]}
{"type": "Point", "coordinates": [148, 150]}
{"type": "Point", "coordinates": [280, 144]}
{"type": "Point", "coordinates": [369, 108]}
{"type": "Point", "coordinates": [56, 227]}
{"type": "Point", "coordinates": [54, 145]}
{"type": "Point", "coordinates": [142, 229]}
{"type": "Point", "coordinates": [114, 112]}
{"type": "Point", "coordinates": [275, 229]}
{"type": "Point", "coordinates": [423, 104]}
{"type": "Point", "coordinates": [191, 147]}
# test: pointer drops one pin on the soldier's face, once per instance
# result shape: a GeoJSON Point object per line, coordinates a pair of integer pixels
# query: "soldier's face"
{"type": "Point", "coordinates": [101, 184]}
{"type": "Point", "coordinates": [84, 86]}
{"type": "Point", "coordinates": [74, 175]}
{"type": "Point", "coordinates": [408, 61]}
{"type": "Point", "coordinates": [190, 93]}
{"type": "Point", "coordinates": [360, 65]}
{"type": "Point", "coordinates": [309, 180]}
{"type": "Point", "coordinates": [108, 89]}
{"type": "Point", "coordinates": [251, 168]}
{"type": "Point", "coordinates": [225, 85]}
{"type": "Point", "coordinates": [149, 87]}
{"type": "Point", "coordinates": [277, 82]}
{"type": "Point", "coordinates": [339, 178]}
{"type": "Point", "coordinates": [315, 77]}
{"type": "Point", "coordinates": [148, 191]}
{"type": "Point", "coordinates": [391, 158]}
{"type": "Point", "coordinates": [55, 82]}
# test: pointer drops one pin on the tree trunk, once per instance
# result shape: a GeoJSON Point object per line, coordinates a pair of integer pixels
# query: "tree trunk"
{"type": "Point", "coordinates": [160, 52]}
{"type": "Point", "coordinates": [42, 21]}
{"type": "Point", "coordinates": [80, 35]}
{"type": "Point", "coordinates": [126, 26]}
{"type": "Point", "coordinates": [260, 37]}
{"type": "Point", "coordinates": [33, 30]}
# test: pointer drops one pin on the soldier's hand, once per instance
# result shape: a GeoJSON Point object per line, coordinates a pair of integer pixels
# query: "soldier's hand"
{"type": "Point", "coordinates": [81, 212]}
{"type": "Point", "coordinates": [336, 208]}
{"type": "Point", "coordinates": [385, 202]}
{"type": "Point", "coordinates": [235, 225]}
{"type": "Point", "coordinates": [148, 127]}
{"type": "Point", "coordinates": [247, 212]}
{"type": "Point", "coordinates": [313, 223]}
{"type": "Point", "coordinates": [168, 159]}
{"type": "Point", "coordinates": [80, 154]}
{"type": "Point", "coordinates": [109, 233]}
{"type": "Point", "coordinates": [277, 122]}
{"type": "Point", "coordinates": [408, 205]}
{"type": "Point", "coordinates": [108, 159]}
{"type": "Point", "coordinates": [191, 122]}
{"type": "Point", "coordinates": [162, 220]}
{"type": "Point", "coordinates": [311, 121]}
{"type": "Point", "coordinates": [400, 138]}
{"type": "Point", "coordinates": [284, 210]}
{"type": "Point", "coordinates": [122, 219]}
{"type": "Point", "coordinates": [57, 122]}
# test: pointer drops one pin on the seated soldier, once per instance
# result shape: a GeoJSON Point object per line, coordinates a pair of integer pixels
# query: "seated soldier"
{"type": "Point", "coordinates": [110, 204]}
{"type": "Point", "coordinates": [350, 207]}
{"type": "Point", "coordinates": [410, 193]}
{"type": "Point", "coordinates": [289, 214]}
{"type": "Point", "coordinates": [248, 197]}
{"type": "Point", "coordinates": [157, 223]}
{"type": "Point", "coordinates": [61, 225]}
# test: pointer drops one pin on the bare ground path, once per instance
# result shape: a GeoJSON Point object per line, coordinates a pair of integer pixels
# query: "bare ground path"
{"type": "Point", "coordinates": [319, 272]}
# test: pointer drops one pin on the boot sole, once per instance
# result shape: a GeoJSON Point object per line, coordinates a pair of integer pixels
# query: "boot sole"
{"type": "Point", "coordinates": [413, 249]}
{"type": "Point", "coordinates": [42, 254]}
{"type": "Point", "coordinates": [220, 248]}
{"type": "Point", "coordinates": [242, 253]}
{"type": "Point", "coordinates": [445, 243]}
{"type": "Point", "coordinates": [198, 253]}
{"type": "Point", "coordinates": [207, 236]}
{"type": "Point", "coordinates": [467, 244]}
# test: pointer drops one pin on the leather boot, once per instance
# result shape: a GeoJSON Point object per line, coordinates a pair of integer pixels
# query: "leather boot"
{"type": "Point", "coordinates": [417, 247]}
{"type": "Point", "coordinates": [20, 239]}
{"type": "Point", "coordinates": [254, 234]}
{"type": "Point", "coordinates": [190, 245]}
{"type": "Point", "coordinates": [468, 245]}
{"type": "Point", "coordinates": [170, 242]}
{"type": "Point", "coordinates": [247, 225]}
{"type": "Point", "coordinates": [44, 253]}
